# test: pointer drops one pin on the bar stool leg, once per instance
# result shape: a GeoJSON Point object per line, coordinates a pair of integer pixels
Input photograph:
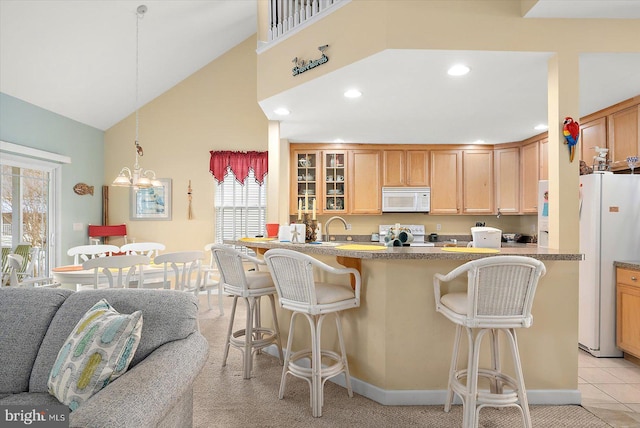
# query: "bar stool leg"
{"type": "Point", "coordinates": [343, 352]}
{"type": "Point", "coordinates": [247, 355]}
{"type": "Point", "coordinates": [453, 368]}
{"type": "Point", "coordinates": [495, 385]}
{"type": "Point", "coordinates": [227, 343]}
{"type": "Point", "coordinates": [315, 322]}
{"type": "Point", "coordinates": [522, 392]}
{"type": "Point", "coordinates": [276, 328]}
{"type": "Point", "coordinates": [287, 357]}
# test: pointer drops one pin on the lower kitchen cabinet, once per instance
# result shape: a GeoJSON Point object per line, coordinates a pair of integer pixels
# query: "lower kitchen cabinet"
{"type": "Point", "coordinates": [628, 311]}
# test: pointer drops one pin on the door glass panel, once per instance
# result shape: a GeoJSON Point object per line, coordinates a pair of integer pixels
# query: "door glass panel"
{"type": "Point", "coordinates": [25, 214]}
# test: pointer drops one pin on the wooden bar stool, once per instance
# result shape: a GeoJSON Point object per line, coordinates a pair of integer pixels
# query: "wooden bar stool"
{"type": "Point", "coordinates": [498, 298]}
{"type": "Point", "coordinates": [292, 274]}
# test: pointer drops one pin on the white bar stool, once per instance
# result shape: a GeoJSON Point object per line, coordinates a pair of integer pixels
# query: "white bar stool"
{"type": "Point", "coordinates": [292, 274]}
{"type": "Point", "coordinates": [250, 286]}
{"type": "Point", "coordinates": [499, 297]}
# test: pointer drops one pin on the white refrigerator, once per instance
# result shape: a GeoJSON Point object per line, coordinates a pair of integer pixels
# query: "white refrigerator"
{"type": "Point", "coordinates": [609, 231]}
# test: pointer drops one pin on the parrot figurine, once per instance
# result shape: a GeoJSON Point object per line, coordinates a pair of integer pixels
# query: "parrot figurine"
{"type": "Point", "coordinates": [571, 132]}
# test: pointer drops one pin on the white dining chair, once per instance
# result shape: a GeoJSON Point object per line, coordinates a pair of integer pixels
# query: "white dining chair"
{"type": "Point", "coordinates": [129, 270]}
{"type": "Point", "coordinates": [151, 249]}
{"type": "Point", "coordinates": [185, 269]}
{"type": "Point", "coordinates": [82, 253]}
{"type": "Point", "coordinates": [211, 279]}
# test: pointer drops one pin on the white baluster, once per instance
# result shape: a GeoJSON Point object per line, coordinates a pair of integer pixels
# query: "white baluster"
{"type": "Point", "coordinates": [307, 10]}
{"type": "Point", "coordinates": [316, 7]}
{"type": "Point", "coordinates": [280, 29]}
{"type": "Point", "coordinates": [285, 16]}
{"type": "Point", "coordinates": [296, 13]}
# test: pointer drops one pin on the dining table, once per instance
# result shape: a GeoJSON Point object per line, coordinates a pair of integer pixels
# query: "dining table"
{"type": "Point", "coordinates": [72, 276]}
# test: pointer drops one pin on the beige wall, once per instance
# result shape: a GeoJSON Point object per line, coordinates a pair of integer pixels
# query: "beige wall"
{"type": "Point", "coordinates": [213, 109]}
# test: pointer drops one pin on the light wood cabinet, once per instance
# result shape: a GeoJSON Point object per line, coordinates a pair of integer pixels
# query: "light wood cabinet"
{"type": "Point", "coordinates": [544, 159]}
{"type": "Point", "coordinates": [477, 182]}
{"type": "Point", "coordinates": [507, 171]}
{"type": "Point", "coordinates": [529, 177]}
{"type": "Point", "coordinates": [405, 168]}
{"type": "Point", "coordinates": [628, 311]}
{"type": "Point", "coordinates": [335, 179]}
{"type": "Point", "coordinates": [306, 176]}
{"type": "Point", "coordinates": [365, 176]}
{"type": "Point", "coordinates": [623, 127]}
{"type": "Point", "coordinates": [592, 134]}
{"type": "Point", "coordinates": [446, 181]}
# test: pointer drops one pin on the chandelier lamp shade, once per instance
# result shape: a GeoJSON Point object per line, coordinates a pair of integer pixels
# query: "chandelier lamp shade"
{"type": "Point", "coordinates": [137, 176]}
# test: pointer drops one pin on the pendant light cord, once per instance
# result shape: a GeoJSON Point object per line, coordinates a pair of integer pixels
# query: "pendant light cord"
{"type": "Point", "coordinates": [139, 15]}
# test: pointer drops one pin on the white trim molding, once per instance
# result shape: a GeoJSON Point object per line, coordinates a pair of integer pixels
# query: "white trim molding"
{"type": "Point", "coordinates": [17, 149]}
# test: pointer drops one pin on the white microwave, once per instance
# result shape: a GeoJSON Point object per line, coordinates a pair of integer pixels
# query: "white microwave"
{"type": "Point", "coordinates": [406, 199]}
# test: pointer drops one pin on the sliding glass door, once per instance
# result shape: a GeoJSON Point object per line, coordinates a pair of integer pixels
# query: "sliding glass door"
{"type": "Point", "coordinates": [27, 189]}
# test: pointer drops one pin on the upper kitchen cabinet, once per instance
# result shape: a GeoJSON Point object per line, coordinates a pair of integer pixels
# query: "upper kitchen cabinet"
{"type": "Point", "coordinates": [446, 181]}
{"type": "Point", "coordinates": [544, 159]}
{"type": "Point", "coordinates": [336, 178]}
{"type": "Point", "coordinates": [405, 168]}
{"type": "Point", "coordinates": [623, 129]}
{"type": "Point", "coordinates": [507, 172]}
{"type": "Point", "coordinates": [592, 133]}
{"type": "Point", "coordinates": [477, 181]}
{"type": "Point", "coordinates": [529, 173]}
{"type": "Point", "coordinates": [365, 176]}
{"type": "Point", "coordinates": [305, 173]}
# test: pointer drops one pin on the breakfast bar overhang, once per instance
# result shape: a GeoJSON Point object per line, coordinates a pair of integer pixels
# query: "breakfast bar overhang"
{"type": "Point", "coordinates": [399, 348]}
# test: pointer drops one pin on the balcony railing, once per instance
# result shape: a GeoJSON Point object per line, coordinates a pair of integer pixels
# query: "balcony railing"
{"type": "Point", "coordinates": [286, 15]}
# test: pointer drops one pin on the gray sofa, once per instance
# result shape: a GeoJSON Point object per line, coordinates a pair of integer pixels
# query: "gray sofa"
{"type": "Point", "coordinates": [156, 391]}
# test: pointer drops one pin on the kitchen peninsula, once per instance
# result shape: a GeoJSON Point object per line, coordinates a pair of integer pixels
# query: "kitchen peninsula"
{"type": "Point", "coordinates": [399, 348]}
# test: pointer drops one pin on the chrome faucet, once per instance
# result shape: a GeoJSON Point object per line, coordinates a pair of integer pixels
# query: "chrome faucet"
{"type": "Point", "coordinates": [347, 226]}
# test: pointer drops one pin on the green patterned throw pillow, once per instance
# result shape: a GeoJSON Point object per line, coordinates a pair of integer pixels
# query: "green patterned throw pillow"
{"type": "Point", "coordinates": [98, 350]}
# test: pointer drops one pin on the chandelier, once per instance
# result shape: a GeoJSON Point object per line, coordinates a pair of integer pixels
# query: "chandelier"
{"type": "Point", "coordinates": [138, 176]}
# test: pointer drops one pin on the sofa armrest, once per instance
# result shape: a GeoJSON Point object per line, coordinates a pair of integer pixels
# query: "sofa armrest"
{"type": "Point", "coordinates": [147, 392]}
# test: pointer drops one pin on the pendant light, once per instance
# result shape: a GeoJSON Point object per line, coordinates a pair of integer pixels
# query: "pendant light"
{"type": "Point", "coordinates": [138, 176]}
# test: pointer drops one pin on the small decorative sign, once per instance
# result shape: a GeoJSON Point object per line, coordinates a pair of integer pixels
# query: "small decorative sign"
{"type": "Point", "coordinates": [301, 65]}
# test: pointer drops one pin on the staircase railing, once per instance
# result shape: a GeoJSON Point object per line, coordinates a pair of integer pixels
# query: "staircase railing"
{"type": "Point", "coordinates": [285, 15]}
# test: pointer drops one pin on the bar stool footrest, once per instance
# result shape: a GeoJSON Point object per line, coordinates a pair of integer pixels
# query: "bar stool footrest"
{"type": "Point", "coordinates": [262, 337]}
{"type": "Point", "coordinates": [307, 373]}
{"type": "Point", "coordinates": [487, 398]}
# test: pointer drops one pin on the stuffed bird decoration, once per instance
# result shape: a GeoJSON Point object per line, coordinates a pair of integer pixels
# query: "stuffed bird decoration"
{"type": "Point", "coordinates": [571, 132]}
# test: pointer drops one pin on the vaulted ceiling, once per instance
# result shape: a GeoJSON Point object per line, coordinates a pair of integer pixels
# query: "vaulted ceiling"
{"type": "Point", "coordinates": [77, 59]}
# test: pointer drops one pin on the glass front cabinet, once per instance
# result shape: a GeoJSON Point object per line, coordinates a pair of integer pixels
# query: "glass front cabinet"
{"type": "Point", "coordinates": [335, 181]}
{"type": "Point", "coordinates": [307, 176]}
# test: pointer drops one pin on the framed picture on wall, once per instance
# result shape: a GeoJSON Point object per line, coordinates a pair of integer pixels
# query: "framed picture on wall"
{"type": "Point", "coordinates": [151, 203]}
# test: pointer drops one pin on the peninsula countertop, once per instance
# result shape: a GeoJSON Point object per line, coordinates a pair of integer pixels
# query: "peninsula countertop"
{"type": "Point", "coordinates": [406, 253]}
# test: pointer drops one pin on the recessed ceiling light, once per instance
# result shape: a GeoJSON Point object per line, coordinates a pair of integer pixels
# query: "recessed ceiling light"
{"type": "Point", "coordinates": [458, 70]}
{"type": "Point", "coordinates": [478, 142]}
{"type": "Point", "coordinates": [540, 127]}
{"type": "Point", "coordinates": [281, 111]}
{"type": "Point", "coordinates": [353, 93]}
{"type": "Point", "coordinates": [338, 140]}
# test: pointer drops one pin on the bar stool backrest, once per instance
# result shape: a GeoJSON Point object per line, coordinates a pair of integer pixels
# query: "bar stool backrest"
{"type": "Point", "coordinates": [500, 290]}
{"type": "Point", "coordinates": [231, 268]}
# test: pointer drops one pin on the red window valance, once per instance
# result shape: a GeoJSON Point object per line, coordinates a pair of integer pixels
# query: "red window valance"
{"type": "Point", "coordinates": [240, 163]}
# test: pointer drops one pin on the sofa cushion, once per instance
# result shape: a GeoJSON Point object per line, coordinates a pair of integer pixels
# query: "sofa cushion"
{"type": "Point", "coordinates": [25, 315]}
{"type": "Point", "coordinates": [168, 315]}
{"type": "Point", "coordinates": [98, 351]}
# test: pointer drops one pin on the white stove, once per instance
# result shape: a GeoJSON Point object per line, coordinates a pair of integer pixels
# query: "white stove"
{"type": "Point", "coordinates": [417, 230]}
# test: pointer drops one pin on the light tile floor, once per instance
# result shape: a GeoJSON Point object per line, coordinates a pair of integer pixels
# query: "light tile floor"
{"type": "Point", "coordinates": [610, 389]}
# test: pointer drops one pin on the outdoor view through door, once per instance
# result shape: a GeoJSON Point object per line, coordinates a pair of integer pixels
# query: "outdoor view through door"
{"type": "Point", "coordinates": [25, 216]}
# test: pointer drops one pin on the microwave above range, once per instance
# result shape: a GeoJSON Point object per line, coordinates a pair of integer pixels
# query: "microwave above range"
{"type": "Point", "coordinates": [406, 199]}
